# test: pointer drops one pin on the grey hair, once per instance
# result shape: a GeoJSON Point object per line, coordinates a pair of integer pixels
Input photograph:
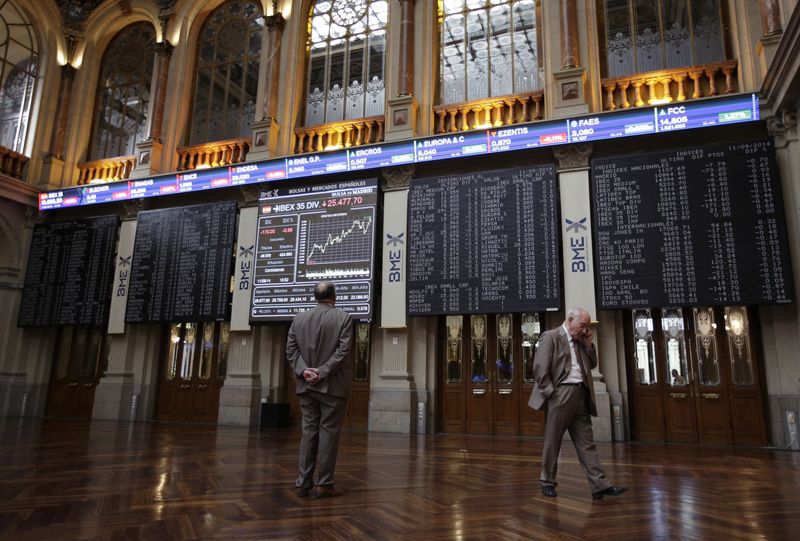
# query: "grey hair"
{"type": "Point", "coordinates": [575, 312]}
{"type": "Point", "coordinates": [324, 290]}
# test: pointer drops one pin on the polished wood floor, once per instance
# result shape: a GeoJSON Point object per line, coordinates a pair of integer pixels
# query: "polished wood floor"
{"type": "Point", "coordinates": [104, 480]}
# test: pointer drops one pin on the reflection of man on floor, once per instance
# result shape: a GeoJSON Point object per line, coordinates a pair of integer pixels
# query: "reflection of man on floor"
{"type": "Point", "coordinates": [563, 387]}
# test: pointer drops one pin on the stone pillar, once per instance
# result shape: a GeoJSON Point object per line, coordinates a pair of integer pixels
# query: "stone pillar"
{"type": "Point", "coordinates": [239, 398]}
{"type": "Point", "coordinates": [780, 325]}
{"type": "Point", "coordinates": [570, 87]}
{"type": "Point", "coordinates": [576, 238]}
{"type": "Point", "coordinates": [266, 128]}
{"type": "Point", "coordinates": [405, 68]}
{"type": "Point", "coordinates": [53, 170]}
{"type": "Point", "coordinates": [771, 30]}
{"type": "Point", "coordinates": [770, 17]}
{"type": "Point", "coordinates": [148, 159]}
{"type": "Point", "coordinates": [569, 35]}
{"type": "Point", "coordinates": [401, 117]}
{"type": "Point", "coordinates": [392, 404]}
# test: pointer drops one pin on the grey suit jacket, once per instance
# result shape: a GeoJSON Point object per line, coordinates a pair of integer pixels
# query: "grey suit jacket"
{"type": "Point", "coordinates": [551, 366]}
{"type": "Point", "coordinates": [321, 338]}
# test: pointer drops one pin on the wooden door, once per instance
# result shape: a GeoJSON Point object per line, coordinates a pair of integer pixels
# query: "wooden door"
{"type": "Point", "coordinates": [193, 371]}
{"type": "Point", "coordinates": [530, 328]}
{"type": "Point", "coordinates": [79, 360]}
{"type": "Point", "coordinates": [676, 370]}
{"type": "Point", "coordinates": [357, 417]}
{"type": "Point", "coordinates": [695, 376]}
{"type": "Point", "coordinates": [486, 389]}
{"type": "Point", "coordinates": [648, 418]}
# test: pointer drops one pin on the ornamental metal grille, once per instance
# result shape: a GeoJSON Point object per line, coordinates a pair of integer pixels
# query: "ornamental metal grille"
{"type": "Point", "coordinates": [19, 62]}
{"type": "Point", "coordinates": [346, 51]}
{"type": "Point", "coordinates": [642, 35]}
{"type": "Point", "coordinates": [123, 92]}
{"type": "Point", "coordinates": [489, 48]}
{"type": "Point", "coordinates": [226, 73]}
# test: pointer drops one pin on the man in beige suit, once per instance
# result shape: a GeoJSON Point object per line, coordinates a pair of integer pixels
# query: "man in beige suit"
{"type": "Point", "coordinates": [563, 387]}
{"type": "Point", "coordinates": [318, 350]}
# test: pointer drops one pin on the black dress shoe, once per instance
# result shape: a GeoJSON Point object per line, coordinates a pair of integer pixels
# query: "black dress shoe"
{"type": "Point", "coordinates": [610, 491]}
{"type": "Point", "coordinates": [549, 491]}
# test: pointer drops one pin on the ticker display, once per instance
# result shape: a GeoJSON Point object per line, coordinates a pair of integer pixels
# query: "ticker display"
{"type": "Point", "coordinates": [313, 233]}
{"type": "Point", "coordinates": [588, 128]}
{"type": "Point", "coordinates": [701, 226]}
{"type": "Point", "coordinates": [69, 273]}
{"type": "Point", "coordinates": [181, 268]}
{"type": "Point", "coordinates": [484, 243]}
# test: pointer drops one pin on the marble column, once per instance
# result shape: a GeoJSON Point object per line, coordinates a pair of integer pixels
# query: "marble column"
{"type": "Point", "coordinates": [266, 128]}
{"type": "Point", "coordinates": [148, 151]}
{"type": "Point", "coordinates": [770, 17]}
{"type": "Point", "coordinates": [405, 67]}
{"type": "Point", "coordinates": [570, 57]}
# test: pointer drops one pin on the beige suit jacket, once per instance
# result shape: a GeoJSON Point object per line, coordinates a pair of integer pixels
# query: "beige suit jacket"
{"type": "Point", "coordinates": [551, 365]}
{"type": "Point", "coordinates": [321, 338]}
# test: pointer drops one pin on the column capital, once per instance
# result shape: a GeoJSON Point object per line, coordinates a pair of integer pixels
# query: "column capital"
{"type": "Point", "coordinates": [68, 72]}
{"type": "Point", "coordinates": [164, 49]}
{"type": "Point", "coordinates": [397, 178]}
{"type": "Point", "coordinates": [573, 157]}
{"type": "Point", "coordinates": [275, 22]}
{"type": "Point", "coordinates": [783, 127]}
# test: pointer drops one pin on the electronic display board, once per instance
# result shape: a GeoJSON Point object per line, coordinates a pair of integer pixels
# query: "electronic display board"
{"type": "Point", "coordinates": [182, 263]}
{"type": "Point", "coordinates": [587, 128]}
{"type": "Point", "coordinates": [701, 226]}
{"type": "Point", "coordinates": [484, 243]}
{"type": "Point", "coordinates": [313, 233]}
{"type": "Point", "coordinates": [69, 274]}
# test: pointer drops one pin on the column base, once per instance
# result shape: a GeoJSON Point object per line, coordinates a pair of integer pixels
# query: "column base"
{"type": "Point", "coordinates": [401, 118]}
{"type": "Point", "coordinates": [265, 140]}
{"type": "Point", "coordinates": [148, 159]}
{"type": "Point", "coordinates": [392, 411]}
{"type": "Point", "coordinates": [114, 399]}
{"type": "Point", "coordinates": [570, 93]}
{"type": "Point", "coordinates": [52, 173]}
{"type": "Point", "coordinates": [239, 400]}
{"type": "Point", "coordinates": [765, 50]}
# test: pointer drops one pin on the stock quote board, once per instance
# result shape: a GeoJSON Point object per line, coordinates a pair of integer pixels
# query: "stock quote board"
{"type": "Point", "coordinates": [484, 243]}
{"type": "Point", "coordinates": [182, 264]}
{"type": "Point", "coordinates": [701, 226]}
{"type": "Point", "coordinates": [312, 233]}
{"type": "Point", "coordinates": [607, 126]}
{"type": "Point", "coordinates": [69, 273]}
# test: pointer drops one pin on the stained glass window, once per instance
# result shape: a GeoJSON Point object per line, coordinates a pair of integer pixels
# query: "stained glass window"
{"type": "Point", "coordinates": [123, 92]}
{"type": "Point", "coordinates": [489, 48]}
{"type": "Point", "coordinates": [346, 52]}
{"type": "Point", "coordinates": [19, 61]}
{"type": "Point", "coordinates": [642, 35]}
{"type": "Point", "coordinates": [226, 73]}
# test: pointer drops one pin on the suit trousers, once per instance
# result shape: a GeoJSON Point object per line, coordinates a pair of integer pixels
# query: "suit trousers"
{"type": "Point", "coordinates": [322, 423]}
{"type": "Point", "coordinates": [568, 410]}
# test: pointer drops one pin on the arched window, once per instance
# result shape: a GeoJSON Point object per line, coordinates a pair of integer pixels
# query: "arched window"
{"type": "Point", "coordinates": [638, 36]}
{"type": "Point", "coordinates": [226, 76]}
{"type": "Point", "coordinates": [346, 49]}
{"type": "Point", "coordinates": [489, 48]}
{"type": "Point", "coordinates": [19, 60]}
{"type": "Point", "coordinates": [123, 92]}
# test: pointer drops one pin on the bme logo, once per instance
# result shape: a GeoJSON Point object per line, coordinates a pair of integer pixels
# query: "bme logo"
{"type": "Point", "coordinates": [577, 243]}
{"type": "Point", "coordinates": [395, 257]}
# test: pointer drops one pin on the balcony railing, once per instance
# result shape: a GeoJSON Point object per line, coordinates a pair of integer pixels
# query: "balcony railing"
{"type": "Point", "coordinates": [351, 133]}
{"type": "Point", "coordinates": [12, 163]}
{"type": "Point", "coordinates": [213, 154]}
{"type": "Point", "coordinates": [489, 112]}
{"type": "Point", "coordinates": [666, 86]}
{"type": "Point", "coordinates": [106, 170]}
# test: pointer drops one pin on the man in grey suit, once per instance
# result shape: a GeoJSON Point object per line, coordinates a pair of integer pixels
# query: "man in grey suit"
{"type": "Point", "coordinates": [563, 387]}
{"type": "Point", "coordinates": [318, 350]}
